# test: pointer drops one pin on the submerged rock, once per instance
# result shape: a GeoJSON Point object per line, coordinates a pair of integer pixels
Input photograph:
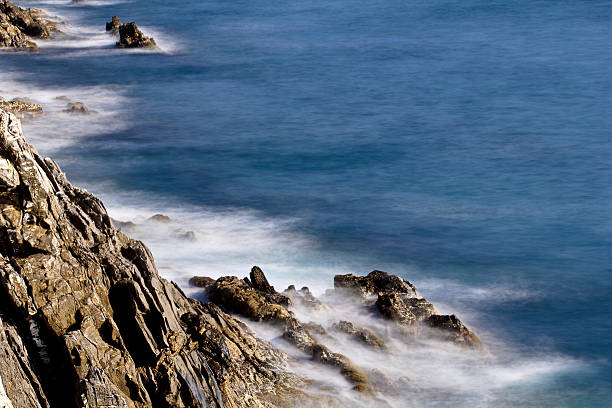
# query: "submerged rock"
{"type": "Point", "coordinates": [360, 334]}
{"type": "Point", "coordinates": [78, 108]}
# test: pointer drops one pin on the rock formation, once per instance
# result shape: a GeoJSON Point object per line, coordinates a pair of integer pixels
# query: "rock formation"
{"type": "Point", "coordinates": [78, 108]}
{"type": "Point", "coordinates": [21, 108]}
{"type": "Point", "coordinates": [130, 35]}
{"type": "Point", "coordinates": [19, 26]}
{"type": "Point", "coordinates": [86, 321]}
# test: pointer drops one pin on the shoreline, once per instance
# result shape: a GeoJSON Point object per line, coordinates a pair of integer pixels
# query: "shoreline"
{"type": "Point", "coordinates": [469, 299]}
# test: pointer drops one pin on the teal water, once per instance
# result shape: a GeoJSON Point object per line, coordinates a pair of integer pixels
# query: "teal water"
{"type": "Point", "coordinates": [466, 145]}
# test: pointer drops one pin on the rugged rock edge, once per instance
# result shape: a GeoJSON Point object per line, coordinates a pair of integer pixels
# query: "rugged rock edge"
{"type": "Point", "coordinates": [86, 321]}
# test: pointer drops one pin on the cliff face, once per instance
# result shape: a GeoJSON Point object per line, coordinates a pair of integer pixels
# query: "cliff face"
{"type": "Point", "coordinates": [85, 319]}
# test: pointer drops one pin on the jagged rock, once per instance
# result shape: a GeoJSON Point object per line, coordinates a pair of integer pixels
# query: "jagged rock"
{"type": "Point", "coordinates": [236, 295]}
{"type": "Point", "coordinates": [402, 308]}
{"type": "Point", "coordinates": [130, 35]}
{"type": "Point", "coordinates": [21, 108]}
{"type": "Point", "coordinates": [240, 297]}
{"type": "Point", "coordinates": [78, 108]}
{"type": "Point", "coordinates": [201, 281]}
{"type": "Point", "coordinates": [360, 334]}
{"type": "Point", "coordinates": [304, 298]}
{"type": "Point", "coordinates": [374, 283]}
{"type": "Point", "coordinates": [113, 25]}
{"type": "Point", "coordinates": [259, 281]}
{"type": "Point", "coordinates": [18, 26]}
{"type": "Point", "coordinates": [91, 323]}
{"type": "Point", "coordinates": [454, 330]}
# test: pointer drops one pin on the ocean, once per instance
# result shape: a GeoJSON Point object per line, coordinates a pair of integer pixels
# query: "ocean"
{"type": "Point", "coordinates": [464, 145]}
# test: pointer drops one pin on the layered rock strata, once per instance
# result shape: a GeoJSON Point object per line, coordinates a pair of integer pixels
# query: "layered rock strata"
{"type": "Point", "coordinates": [86, 321]}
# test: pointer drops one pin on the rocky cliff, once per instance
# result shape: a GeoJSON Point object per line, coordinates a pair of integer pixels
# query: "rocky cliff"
{"type": "Point", "coordinates": [86, 321]}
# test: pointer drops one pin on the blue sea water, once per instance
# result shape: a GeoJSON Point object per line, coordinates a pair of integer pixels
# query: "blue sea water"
{"type": "Point", "coordinates": [465, 145]}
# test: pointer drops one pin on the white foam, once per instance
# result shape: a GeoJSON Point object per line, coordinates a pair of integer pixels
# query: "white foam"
{"type": "Point", "coordinates": [55, 129]}
{"type": "Point", "coordinates": [228, 241]}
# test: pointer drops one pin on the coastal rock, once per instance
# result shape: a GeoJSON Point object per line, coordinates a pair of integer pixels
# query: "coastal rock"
{"type": "Point", "coordinates": [360, 334]}
{"type": "Point", "coordinates": [259, 281]}
{"type": "Point", "coordinates": [402, 308]}
{"type": "Point", "coordinates": [374, 283]}
{"type": "Point", "coordinates": [113, 25]}
{"type": "Point", "coordinates": [86, 321]}
{"type": "Point", "coordinates": [78, 108]}
{"type": "Point", "coordinates": [18, 26]}
{"type": "Point", "coordinates": [454, 330]}
{"type": "Point", "coordinates": [130, 35]}
{"type": "Point", "coordinates": [21, 108]}
{"type": "Point", "coordinates": [239, 297]}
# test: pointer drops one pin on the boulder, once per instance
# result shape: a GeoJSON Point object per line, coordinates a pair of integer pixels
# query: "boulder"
{"type": "Point", "coordinates": [78, 108]}
{"type": "Point", "coordinates": [130, 35]}
{"type": "Point", "coordinates": [374, 283]}
{"type": "Point", "coordinates": [454, 330]}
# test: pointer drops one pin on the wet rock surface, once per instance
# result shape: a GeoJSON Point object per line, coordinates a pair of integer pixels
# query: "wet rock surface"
{"type": "Point", "coordinates": [19, 26]}
{"type": "Point", "coordinates": [86, 321]}
{"type": "Point", "coordinates": [393, 301]}
{"type": "Point", "coordinates": [129, 34]}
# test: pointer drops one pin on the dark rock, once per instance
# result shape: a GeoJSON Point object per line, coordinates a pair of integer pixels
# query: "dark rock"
{"type": "Point", "coordinates": [18, 26]}
{"type": "Point", "coordinates": [85, 319]}
{"type": "Point", "coordinates": [130, 36]}
{"type": "Point", "coordinates": [360, 334]}
{"type": "Point", "coordinates": [78, 108]}
{"type": "Point", "coordinates": [201, 281]}
{"type": "Point", "coordinates": [259, 281]}
{"type": "Point", "coordinates": [113, 25]}
{"type": "Point", "coordinates": [304, 299]}
{"type": "Point", "coordinates": [454, 330]}
{"type": "Point", "coordinates": [374, 283]}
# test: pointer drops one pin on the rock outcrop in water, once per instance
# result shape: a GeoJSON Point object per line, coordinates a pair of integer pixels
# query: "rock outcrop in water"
{"type": "Point", "coordinates": [21, 108]}
{"type": "Point", "coordinates": [19, 26]}
{"type": "Point", "coordinates": [86, 321]}
{"type": "Point", "coordinates": [130, 35]}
